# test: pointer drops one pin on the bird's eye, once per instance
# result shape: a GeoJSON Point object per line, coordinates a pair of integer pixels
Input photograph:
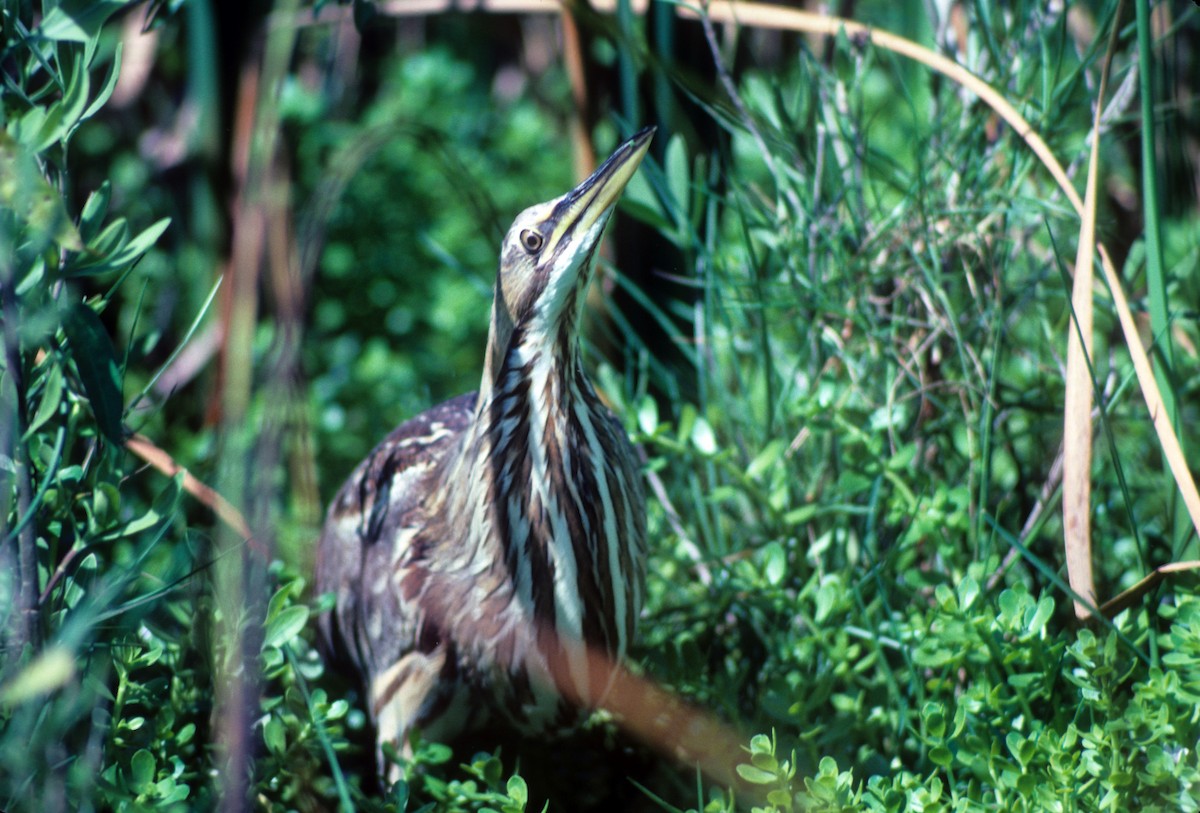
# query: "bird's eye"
{"type": "Point", "coordinates": [532, 241]}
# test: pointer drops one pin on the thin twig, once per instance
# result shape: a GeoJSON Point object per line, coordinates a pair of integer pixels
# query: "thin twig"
{"type": "Point", "coordinates": [1053, 481]}
{"type": "Point", "coordinates": [676, 523]}
{"type": "Point", "coordinates": [144, 448]}
{"type": "Point", "coordinates": [1125, 599]}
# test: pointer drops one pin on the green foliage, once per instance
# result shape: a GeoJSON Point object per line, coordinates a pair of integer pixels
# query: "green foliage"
{"type": "Point", "coordinates": [79, 546]}
{"type": "Point", "coordinates": [1123, 744]}
{"type": "Point", "coordinates": [483, 788]}
{"type": "Point", "coordinates": [856, 542]}
{"type": "Point", "coordinates": [879, 409]}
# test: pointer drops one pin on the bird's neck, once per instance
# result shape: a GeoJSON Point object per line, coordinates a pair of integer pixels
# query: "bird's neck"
{"type": "Point", "coordinates": [550, 502]}
{"type": "Point", "coordinates": [514, 353]}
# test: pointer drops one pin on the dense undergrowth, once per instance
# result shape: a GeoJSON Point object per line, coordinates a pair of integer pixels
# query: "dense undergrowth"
{"type": "Point", "coordinates": [857, 556]}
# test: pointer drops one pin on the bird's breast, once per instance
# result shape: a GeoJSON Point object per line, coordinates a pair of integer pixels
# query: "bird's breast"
{"type": "Point", "coordinates": [557, 499]}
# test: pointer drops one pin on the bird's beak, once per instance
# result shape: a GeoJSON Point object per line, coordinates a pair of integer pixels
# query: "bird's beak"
{"type": "Point", "coordinates": [587, 203]}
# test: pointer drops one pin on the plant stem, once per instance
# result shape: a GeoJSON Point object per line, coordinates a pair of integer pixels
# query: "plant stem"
{"type": "Point", "coordinates": [1156, 274]}
{"type": "Point", "coordinates": [23, 626]}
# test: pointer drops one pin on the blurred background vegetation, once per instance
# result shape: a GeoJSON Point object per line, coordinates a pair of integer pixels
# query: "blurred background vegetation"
{"type": "Point", "coordinates": [833, 311]}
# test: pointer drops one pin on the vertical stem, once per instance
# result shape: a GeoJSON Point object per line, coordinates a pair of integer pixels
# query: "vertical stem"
{"type": "Point", "coordinates": [580, 127]}
{"type": "Point", "coordinates": [663, 16]}
{"type": "Point", "coordinates": [626, 72]}
{"type": "Point", "coordinates": [249, 443]}
{"type": "Point", "coordinates": [20, 570]}
{"type": "Point", "coordinates": [1156, 281]}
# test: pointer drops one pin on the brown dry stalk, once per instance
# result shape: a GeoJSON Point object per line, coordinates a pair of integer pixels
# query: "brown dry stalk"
{"type": "Point", "coordinates": [144, 448]}
{"type": "Point", "coordinates": [1077, 408]}
{"type": "Point", "coordinates": [1125, 599]}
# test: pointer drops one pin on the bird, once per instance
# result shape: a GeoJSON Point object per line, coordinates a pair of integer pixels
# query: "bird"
{"type": "Point", "coordinates": [487, 558]}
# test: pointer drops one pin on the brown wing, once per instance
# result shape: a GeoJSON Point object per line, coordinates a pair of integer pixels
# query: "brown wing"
{"type": "Point", "coordinates": [368, 529]}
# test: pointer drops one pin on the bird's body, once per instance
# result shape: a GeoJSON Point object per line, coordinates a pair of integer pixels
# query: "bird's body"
{"type": "Point", "coordinates": [487, 558]}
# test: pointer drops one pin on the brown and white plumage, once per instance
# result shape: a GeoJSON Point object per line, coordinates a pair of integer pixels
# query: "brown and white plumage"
{"type": "Point", "coordinates": [487, 558]}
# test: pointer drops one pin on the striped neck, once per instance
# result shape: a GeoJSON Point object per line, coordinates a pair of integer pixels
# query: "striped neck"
{"type": "Point", "coordinates": [548, 324]}
{"type": "Point", "coordinates": [541, 451]}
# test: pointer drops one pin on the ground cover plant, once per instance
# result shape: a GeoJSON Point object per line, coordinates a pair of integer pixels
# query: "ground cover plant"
{"type": "Point", "coordinates": [835, 315]}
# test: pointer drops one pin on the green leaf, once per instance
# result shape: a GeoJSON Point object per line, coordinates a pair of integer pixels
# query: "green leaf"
{"type": "Point", "coordinates": [1045, 609]}
{"type": "Point", "coordinates": [96, 361]}
{"type": "Point", "coordinates": [278, 601]}
{"type": "Point", "coordinates": [160, 512]}
{"type": "Point", "coordinates": [141, 769]}
{"type": "Point", "coordinates": [801, 515]}
{"type": "Point", "coordinates": [113, 251]}
{"type": "Point", "coordinates": [52, 392]}
{"type": "Point", "coordinates": [765, 761]}
{"type": "Point", "coordinates": [934, 716]}
{"type": "Point", "coordinates": [170, 792]}
{"type": "Point", "coordinates": [640, 202]}
{"type": "Point", "coordinates": [765, 459]}
{"type": "Point", "coordinates": [968, 591]}
{"type": "Point", "coordinates": [74, 100]}
{"type": "Point", "coordinates": [399, 796]}
{"type": "Point", "coordinates": [106, 503]}
{"type": "Point", "coordinates": [941, 756]}
{"type": "Point", "coordinates": [827, 596]}
{"type": "Point", "coordinates": [648, 215]}
{"type": "Point", "coordinates": [45, 673]}
{"type": "Point", "coordinates": [40, 127]}
{"type": "Point", "coordinates": [73, 589]}
{"type": "Point", "coordinates": [285, 626]}
{"type": "Point", "coordinates": [755, 776]}
{"type": "Point", "coordinates": [140, 245]}
{"type": "Point", "coordinates": [946, 598]}
{"type": "Point", "coordinates": [761, 744]}
{"type": "Point", "coordinates": [782, 799]}
{"type": "Point", "coordinates": [1020, 748]}
{"type": "Point", "coordinates": [110, 240]}
{"type": "Point", "coordinates": [274, 736]}
{"type": "Point", "coordinates": [435, 753]}
{"type": "Point", "coordinates": [703, 437]}
{"type": "Point", "coordinates": [675, 165]}
{"type": "Point", "coordinates": [687, 421]}
{"type": "Point", "coordinates": [775, 567]}
{"type": "Point", "coordinates": [77, 20]}
{"type": "Point", "coordinates": [94, 211]}
{"type": "Point", "coordinates": [25, 192]}
{"type": "Point", "coordinates": [337, 710]}
{"type": "Point", "coordinates": [106, 91]}
{"type": "Point", "coordinates": [647, 415]}
{"type": "Point", "coordinates": [518, 791]}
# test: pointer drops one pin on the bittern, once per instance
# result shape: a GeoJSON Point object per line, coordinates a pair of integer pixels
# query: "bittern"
{"type": "Point", "coordinates": [488, 557]}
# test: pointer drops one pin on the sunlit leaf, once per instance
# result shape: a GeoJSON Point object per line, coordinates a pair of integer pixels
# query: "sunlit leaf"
{"type": "Point", "coordinates": [141, 769]}
{"type": "Point", "coordinates": [78, 20]}
{"type": "Point", "coordinates": [50, 670]}
{"type": "Point", "coordinates": [110, 84]}
{"type": "Point", "coordinates": [755, 776]}
{"type": "Point", "coordinates": [25, 192]}
{"type": "Point", "coordinates": [703, 437]}
{"type": "Point", "coordinates": [285, 626]}
{"type": "Point", "coordinates": [52, 391]}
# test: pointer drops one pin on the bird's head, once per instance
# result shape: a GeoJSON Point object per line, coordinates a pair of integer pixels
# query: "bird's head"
{"type": "Point", "coordinates": [547, 257]}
